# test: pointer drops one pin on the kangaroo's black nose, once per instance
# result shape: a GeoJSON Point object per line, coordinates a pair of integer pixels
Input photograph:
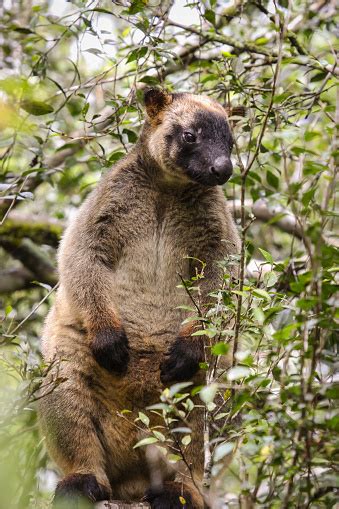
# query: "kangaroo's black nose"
{"type": "Point", "coordinates": [222, 169]}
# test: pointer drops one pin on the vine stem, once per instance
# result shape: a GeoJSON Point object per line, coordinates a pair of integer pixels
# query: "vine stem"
{"type": "Point", "coordinates": [244, 174]}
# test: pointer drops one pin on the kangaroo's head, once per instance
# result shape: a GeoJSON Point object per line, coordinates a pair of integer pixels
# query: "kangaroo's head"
{"type": "Point", "coordinates": [188, 136]}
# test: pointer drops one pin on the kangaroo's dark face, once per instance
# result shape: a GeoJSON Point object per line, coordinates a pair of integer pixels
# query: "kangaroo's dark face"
{"type": "Point", "coordinates": [190, 138]}
{"type": "Point", "coordinates": [201, 148]}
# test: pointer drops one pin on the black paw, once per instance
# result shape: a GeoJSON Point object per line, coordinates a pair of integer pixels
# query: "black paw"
{"type": "Point", "coordinates": [171, 496]}
{"type": "Point", "coordinates": [79, 491]}
{"type": "Point", "coordinates": [182, 361]}
{"type": "Point", "coordinates": [110, 350]}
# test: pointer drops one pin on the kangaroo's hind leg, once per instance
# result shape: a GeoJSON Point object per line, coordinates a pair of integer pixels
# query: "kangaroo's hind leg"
{"type": "Point", "coordinates": [72, 417]}
{"type": "Point", "coordinates": [185, 491]}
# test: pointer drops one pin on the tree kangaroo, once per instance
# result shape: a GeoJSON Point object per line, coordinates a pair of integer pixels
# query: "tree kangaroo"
{"type": "Point", "coordinates": [115, 332]}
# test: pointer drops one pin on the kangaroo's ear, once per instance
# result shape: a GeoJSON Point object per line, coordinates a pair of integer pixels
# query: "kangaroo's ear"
{"type": "Point", "coordinates": [156, 102]}
{"type": "Point", "coordinates": [235, 111]}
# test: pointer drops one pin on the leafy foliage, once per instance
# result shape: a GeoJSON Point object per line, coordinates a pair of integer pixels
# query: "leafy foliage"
{"type": "Point", "coordinates": [70, 107]}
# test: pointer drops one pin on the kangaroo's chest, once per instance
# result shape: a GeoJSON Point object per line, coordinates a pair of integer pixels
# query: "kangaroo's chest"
{"type": "Point", "coordinates": [156, 255]}
{"type": "Point", "coordinates": [151, 267]}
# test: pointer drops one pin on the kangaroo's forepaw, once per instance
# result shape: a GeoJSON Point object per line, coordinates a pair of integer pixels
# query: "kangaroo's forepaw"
{"type": "Point", "coordinates": [110, 349]}
{"type": "Point", "coordinates": [79, 491]}
{"type": "Point", "coordinates": [182, 362]}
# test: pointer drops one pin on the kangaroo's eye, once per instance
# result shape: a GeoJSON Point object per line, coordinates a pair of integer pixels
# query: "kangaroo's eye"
{"type": "Point", "coordinates": [189, 137]}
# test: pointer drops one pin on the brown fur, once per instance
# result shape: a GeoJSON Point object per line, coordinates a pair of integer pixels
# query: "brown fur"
{"type": "Point", "coordinates": [119, 262]}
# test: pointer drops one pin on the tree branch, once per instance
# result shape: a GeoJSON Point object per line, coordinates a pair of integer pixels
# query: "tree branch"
{"type": "Point", "coordinates": [265, 211]}
{"type": "Point", "coordinates": [41, 231]}
{"type": "Point", "coordinates": [117, 504]}
{"type": "Point", "coordinates": [33, 258]}
{"type": "Point", "coordinates": [240, 47]}
{"type": "Point", "coordinates": [15, 279]}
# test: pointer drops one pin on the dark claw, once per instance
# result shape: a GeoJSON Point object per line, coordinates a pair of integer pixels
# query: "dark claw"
{"type": "Point", "coordinates": [79, 491]}
{"type": "Point", "coordinates": [182, 361]}
{"type": "Point", "coordinates": [110, 350]}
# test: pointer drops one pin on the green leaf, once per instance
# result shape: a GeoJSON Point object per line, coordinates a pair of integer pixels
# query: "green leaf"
{"type": "Point", "coordinates": [133, 55]}
{"type": "Point", "coordinates": [313, 168]}
{"type": "Point", "coordinates": [186, 308]}
{"type": "Point", "coordinates": [272, 179]}
{"type": "Point", "coordinates": [149, 80]}
{"type": "Point", "coordinates": [319, 76]}
{"type": "Point", "coordinates": [210, 16]}
{"type": "Point", "coordinates": [261, 41]}
{"type": "Point", "coordinates": [286, 333]}
{"type": "Point", "coordinates": [84, 111]}
{"type": "Point", "coordinates": [137, 53]}
{"type": "Point", "coordinates": [116, 156]}
{"type": "Point", "coordinates": [143, 52]}
{"type": "Point", "coordinates": [36, 108]}
{"type": "Point", "coordinates": [201, 332]}
{"type": "Point", "coordinates": [333, 423]}
{"type": "Point", "coordinates": [307, 303]}
{"type": "Point", "coordinates": [276, 372]}
{"type": "Point", "coordinates": [227, 54]}
{"type": "Point", "coordinates": [310, 135]}
{"type": "Point", "coordinates": [181, 430]}
{"type": "Point", "coordinates": [158, 406]}
{"type": "Point", "coordinates": [143, 418]}
{"type": "Point", "coordinates": [220, 349]}
{"type": "Point", "coordinates": [174, 458]}
{"type": "Point", "coordinates": [8, 310]}
{"type": "Point", "coordinates": [261, 294]}
{"type": "Point", "coordinates": [186, 440]}
{"type": "Point", "coordinates": [203, 365]}
{"type": "Point", "coordinates": [208, 393]}
{"type": "Point", "coordinates": [159, 436]}
{"type": "Point", "coordinates": [94, 51]}
{"type": "Point", "coordinates": [135, 7]}
{"type": "Point", "coordinates": [144, 26]}
{"type": "Point", "coordinates": [308, 196]}
{"type": "Point", "coordinates": [270, 279]}
{"type": "Point", "coordinates": [132, 137]}
{"type": "Point", "coordinates": [99, 9]}
{"type": "Point", "coordinates": [23, 30]}
{"type": "Point", "coordinates": [210, 77]}
{"type": "Point", "coordinates": [176, 388]}
{"type": "Point", "coordinates": [237, 372]}
{"type": "Point", "coordinates": [222, 450]}
{"type": "Point", "coordinates": [259, 315]}
{"type": "Point", "coordinates": [145, 441]}
{"type": "Point", "coordinates": [268, 257]}
{"type": "Point", "coordinates": [332, 392]}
